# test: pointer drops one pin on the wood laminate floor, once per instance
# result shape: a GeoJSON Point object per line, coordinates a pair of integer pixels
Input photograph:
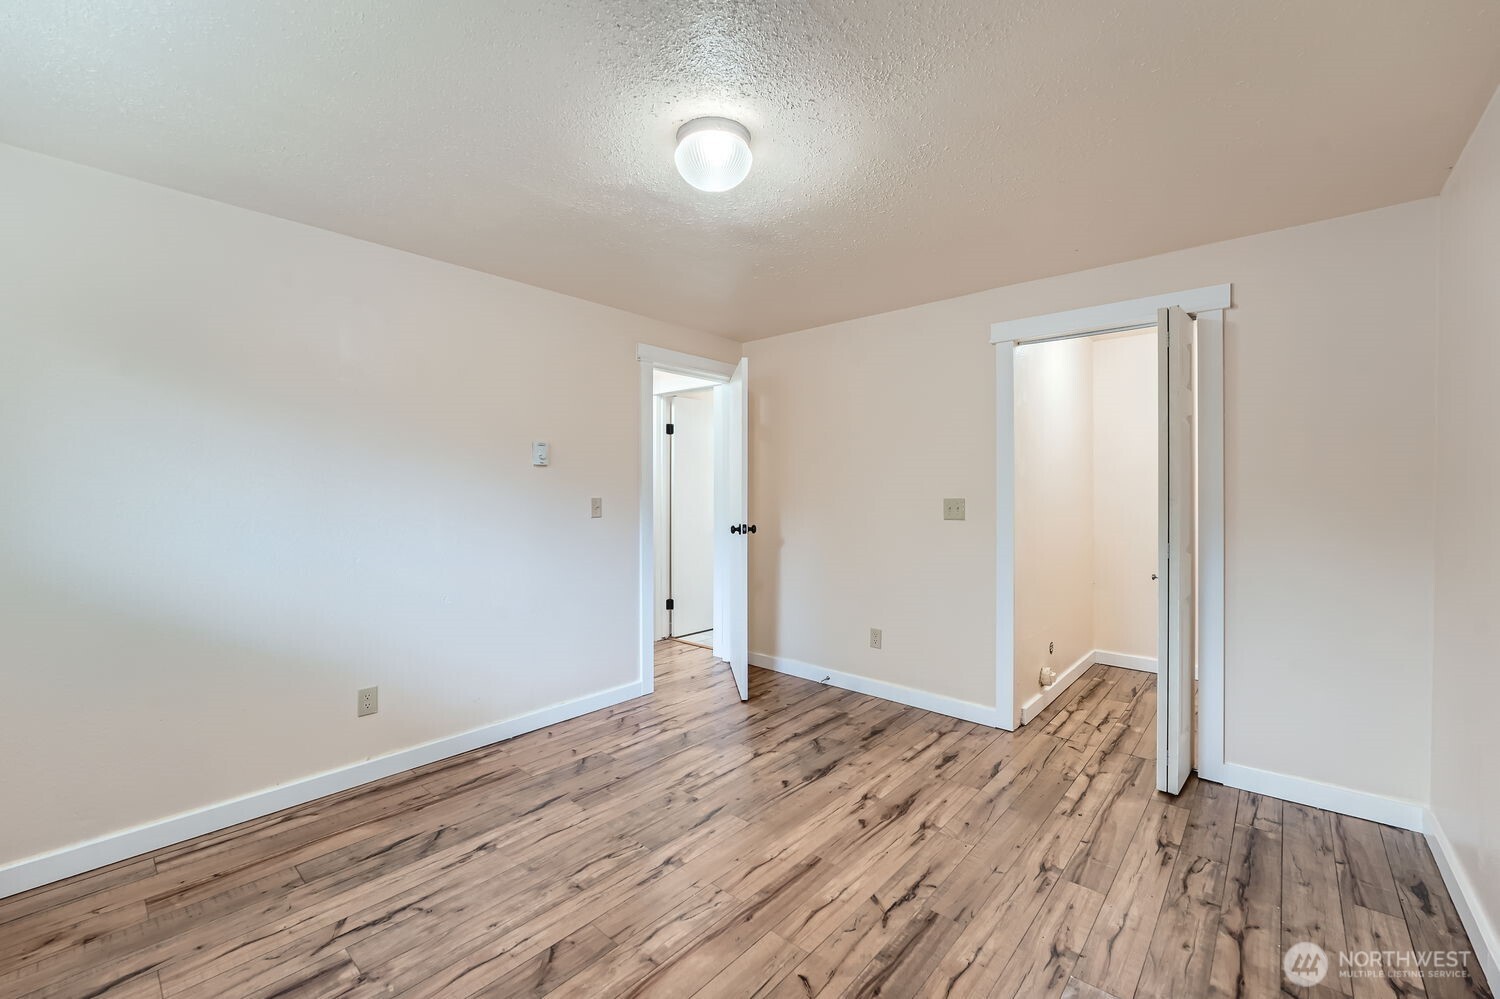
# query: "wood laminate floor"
{"type": "Point", "coordinates": [812, 842]}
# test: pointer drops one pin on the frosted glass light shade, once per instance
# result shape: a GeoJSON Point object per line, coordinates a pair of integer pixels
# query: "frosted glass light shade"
{"type": "Point", "coordinates": [713, 154]}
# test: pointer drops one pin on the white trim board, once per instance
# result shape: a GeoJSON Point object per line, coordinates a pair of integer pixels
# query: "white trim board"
{"type": "Point", "coordinates": [1124, 660]}
{"type": "Point", "coordinates": [953, 707]}
{"type": "Point", "coordinates": [1330, 797]}
{"type": "Point", "coordinates": [1208, 756]}
{"type": "Point", "coordinates": [94, 854]}
{"type": "Point", "coordinates": [1039, 701]}
{"type": "Point", "coordinates": [1006, 709]}
{"type": "Point", "coordinates": [1484, 937]}
{"type": "Point", "coordinates": [1114, 316]}
{"type": "Point", "coordinates": [683, 364]}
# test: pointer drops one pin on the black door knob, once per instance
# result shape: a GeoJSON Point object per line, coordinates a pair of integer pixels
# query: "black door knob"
{"type": "Point", "coordinates": [749, 530]}
{"type": "Point", "coordinates": [734, 528]}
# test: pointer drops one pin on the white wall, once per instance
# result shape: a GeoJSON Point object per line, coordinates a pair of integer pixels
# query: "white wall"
{"type": "Point", "coordinates": [1054, 384]}
{"type": "Point", "coordinates": [857, 433]}
{"type": "Point", "coordinates": [1466, 682]}
{"type": "Point", "coordinates": [252, 466]}
{"type": "Point", "coordinates": [860, 428]}
{"type": "Point", "coordinates": [1125, 488]}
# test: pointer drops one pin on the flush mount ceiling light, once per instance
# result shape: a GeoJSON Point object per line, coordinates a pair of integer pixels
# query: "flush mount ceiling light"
{"type": "Point", "coordinates": [713, 154]}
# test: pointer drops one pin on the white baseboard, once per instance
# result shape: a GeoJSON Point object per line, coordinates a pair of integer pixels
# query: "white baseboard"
{"type": "Point", "coordinates": [1483, 934]}
{"type": "Point", "coordinates": [79, 858]}
{"type": "Point", "coordinates": [1125, 660]}
{"type": "Point", "coordinates": [910, 696]}
{"type": "Point", "coordinates": [1047, 695]}
{"type": "Point", "coordinates": [1331, 797]}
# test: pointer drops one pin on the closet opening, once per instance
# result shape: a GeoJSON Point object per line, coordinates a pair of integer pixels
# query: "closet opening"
{"type": "Point", "coordinates": [684, 509]}
{"type": "Point", "coordinates": [1087, 524]}
{"type": "Point", "coordinates": [1081, 398]}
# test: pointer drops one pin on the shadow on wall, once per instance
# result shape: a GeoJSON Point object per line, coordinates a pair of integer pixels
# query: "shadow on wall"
{"type": "Point", "coordinates": [201, 565]}
{"type": "Point", "coordinates": [286, 532]}
{"type": "Point", "coordinates": [163, 729]}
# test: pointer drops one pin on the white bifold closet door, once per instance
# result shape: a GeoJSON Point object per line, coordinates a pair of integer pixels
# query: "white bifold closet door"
{"type": "Point", "coordinates": [732, 526]}
{"type": "Point", "coordinates": [1175, 644]}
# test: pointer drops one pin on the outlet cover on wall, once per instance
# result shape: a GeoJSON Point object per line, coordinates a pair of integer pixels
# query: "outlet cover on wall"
{"type": "Point", "coordinates": [953, 509]}
{"type": "Point", "coordinates": [875, 638]}
{"type": "Point", "coordinates": [369, 701]}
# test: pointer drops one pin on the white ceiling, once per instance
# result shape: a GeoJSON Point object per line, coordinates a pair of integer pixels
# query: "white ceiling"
{"type": "Point", "coordinates": [670, 382]}
{"type": "Point", "coordinates": [906, 150]}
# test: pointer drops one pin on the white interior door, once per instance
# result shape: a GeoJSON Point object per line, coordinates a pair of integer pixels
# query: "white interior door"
{"type": "Point", "coordinates": [1175, 665]}
{"type": "Point", "coordinates": [733, 527]}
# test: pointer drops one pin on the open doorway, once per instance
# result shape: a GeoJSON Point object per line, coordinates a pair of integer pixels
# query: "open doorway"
{"type": "Point", "coordinates": [1086, 510]}
{"type": "Point", "coordinates": [684, 509]}
{"type": "Point", "coordinates": [695, 526]}
{"type": "Point", "coordinates": [1084, 433]}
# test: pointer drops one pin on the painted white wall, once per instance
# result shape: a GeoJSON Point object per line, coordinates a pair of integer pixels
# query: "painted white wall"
{"type": "Point", "coordinates": [858, 431]}
{"type": "Point", "coordinates": [1125, 486]}
{"type": "Point", "coordinates": [1466, 684]}
{"type": "Point", "coordinates": [1054, 384]}
{"type": "Point", "coordinates": [692, 512]}
{"type": "Point", "coordinates": [860, 428]}
{"type": "Point", "coordinates": [252, 466]}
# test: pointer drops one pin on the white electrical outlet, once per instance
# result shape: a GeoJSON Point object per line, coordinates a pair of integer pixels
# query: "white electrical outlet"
{"type": "Point", "coordinates": [954, 509]}
{"type": "Point", "coordinates": [541, 454]}
{"type": "Point", "coordinates": [875, 638]}
{"type": "Point", "coordinates": [369, 701]}
{"type": "Point", "coordinates": [1047, 677]}
{"type": "Point", "coordinates": [596, 507]}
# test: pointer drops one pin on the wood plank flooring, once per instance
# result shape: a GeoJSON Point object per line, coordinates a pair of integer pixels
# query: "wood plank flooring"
{"type": "Point", "coordinates": [812, 842]}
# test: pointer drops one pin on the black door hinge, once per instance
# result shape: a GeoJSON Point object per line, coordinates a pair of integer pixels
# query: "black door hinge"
{"type": "Point", "coordinates": [670, 604]}
{"type": "Point", "coordinates": [669, 430]}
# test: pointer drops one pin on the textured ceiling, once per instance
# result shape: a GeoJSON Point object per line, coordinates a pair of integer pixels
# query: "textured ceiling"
{"type": "Point", "coordinates": [906, 150]}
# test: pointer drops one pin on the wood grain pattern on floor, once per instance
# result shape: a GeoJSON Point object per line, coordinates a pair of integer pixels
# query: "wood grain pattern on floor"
{"type": "Point", "coordinates": [810, 842]}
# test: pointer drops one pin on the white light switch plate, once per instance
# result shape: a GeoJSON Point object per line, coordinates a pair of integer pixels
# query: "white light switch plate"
{"type": "Point", "coordinates": [596, 507]}
{"type": "Point", "coordinates": [539, 453]}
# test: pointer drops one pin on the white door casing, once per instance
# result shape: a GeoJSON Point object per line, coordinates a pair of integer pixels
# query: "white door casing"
{"type": "Point", "coordinates": [1207, 305]}
{"type": "Point", "coordinates": [652, 359]}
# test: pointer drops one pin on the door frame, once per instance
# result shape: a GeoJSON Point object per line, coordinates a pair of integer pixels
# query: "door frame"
{"type": "Point", "coordinates": [653, 359]}
{"type": "Point", "coordinates": [1207, 304]}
